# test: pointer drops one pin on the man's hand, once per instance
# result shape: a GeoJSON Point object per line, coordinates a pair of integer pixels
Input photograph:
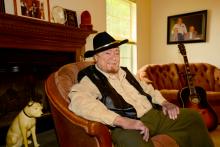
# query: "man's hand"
{"type": "Point", "coordinates": [170, 109]}
{"type": "Point", "coordinates": [132, 124]}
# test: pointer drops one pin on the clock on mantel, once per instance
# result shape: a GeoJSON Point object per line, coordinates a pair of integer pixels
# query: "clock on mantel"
{"type": "Point", "coordinates": [19, 32]}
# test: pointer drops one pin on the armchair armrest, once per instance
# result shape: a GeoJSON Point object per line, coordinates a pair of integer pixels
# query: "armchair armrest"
{"type": "Point", "coordinates": [101, 132]}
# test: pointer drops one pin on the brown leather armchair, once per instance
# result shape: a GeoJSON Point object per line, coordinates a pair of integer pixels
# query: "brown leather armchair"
{"type": "Point", "coordinates": [73, 130]}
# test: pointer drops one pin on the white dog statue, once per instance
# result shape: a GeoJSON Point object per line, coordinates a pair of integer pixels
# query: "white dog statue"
{"type": "Point", "coordinates": [24, 125]}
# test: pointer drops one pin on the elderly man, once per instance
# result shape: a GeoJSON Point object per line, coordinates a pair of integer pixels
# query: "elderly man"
{"type": "Point", "coordinates": [134, 111]}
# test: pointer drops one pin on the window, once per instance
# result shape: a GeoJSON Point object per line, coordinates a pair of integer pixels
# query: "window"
{"type": "Point", "coordinates": [121, 24]}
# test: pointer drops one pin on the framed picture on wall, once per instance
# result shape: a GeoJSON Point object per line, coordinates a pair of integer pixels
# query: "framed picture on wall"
{"type": "Point", "coordinates": [187, 28]}
{"type": "Point", "coordinates": [37, 9]}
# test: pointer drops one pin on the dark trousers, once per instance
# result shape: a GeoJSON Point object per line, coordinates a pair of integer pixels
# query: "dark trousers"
{"type": "Point", "coordinates": [188, 130]}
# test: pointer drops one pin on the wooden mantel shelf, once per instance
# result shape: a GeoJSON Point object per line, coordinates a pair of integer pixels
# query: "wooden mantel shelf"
{"type": "Point", "coordinates": [25, 33]}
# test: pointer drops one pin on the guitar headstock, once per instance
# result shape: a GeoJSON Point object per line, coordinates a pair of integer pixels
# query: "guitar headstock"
{"type": "Point", "coordinates": [182, 49]}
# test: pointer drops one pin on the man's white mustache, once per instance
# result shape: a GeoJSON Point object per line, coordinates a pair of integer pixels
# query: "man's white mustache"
{"type": "Point", "coordinates": [112, 63]}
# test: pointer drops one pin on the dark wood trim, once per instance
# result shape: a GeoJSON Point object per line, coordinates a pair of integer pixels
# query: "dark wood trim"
{"type": "Point", "coordinates": [15, 7]}
{"type": "Point", "coordinates": [48, 10]}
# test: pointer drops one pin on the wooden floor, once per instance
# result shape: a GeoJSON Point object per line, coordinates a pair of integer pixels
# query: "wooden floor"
{"type": "Point", "coordinates": [45, 139]}
{"type": "Point", "coordinates": [216, 136]}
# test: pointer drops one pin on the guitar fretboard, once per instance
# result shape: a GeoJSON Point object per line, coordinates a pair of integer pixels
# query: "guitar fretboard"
{"type": "Point", "coordinates": [189, 76]}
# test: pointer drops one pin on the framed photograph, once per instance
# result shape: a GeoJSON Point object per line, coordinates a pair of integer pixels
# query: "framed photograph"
{"type": "Point", "coordinates": [187, 28]}
{"type": "Point", "coordinates": [37, 9]}
{"type": "Point", "coordinates": [71, 19]}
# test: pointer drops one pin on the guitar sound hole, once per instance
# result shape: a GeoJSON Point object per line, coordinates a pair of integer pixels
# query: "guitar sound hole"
{"type": "Point", "coordinates": [194, 99]}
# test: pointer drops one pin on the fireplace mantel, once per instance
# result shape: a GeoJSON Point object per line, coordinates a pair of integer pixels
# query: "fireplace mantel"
{"type": "Point", "coordinates": [30, 50]}
{"type": "Point", "coordinates": [18, 32]}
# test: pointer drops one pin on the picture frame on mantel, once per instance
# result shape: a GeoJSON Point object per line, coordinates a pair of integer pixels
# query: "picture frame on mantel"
{"type": "Point", "coordinates": [187, 28]}
{"type": "Point", "coordinates": [36, 9]}
{"type": "Point", "coordinates": [71, 18]}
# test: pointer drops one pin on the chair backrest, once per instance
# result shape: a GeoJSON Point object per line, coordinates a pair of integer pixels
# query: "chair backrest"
{"type": "Point", "coordinates": [71, 129]}
{"type": "Point", "coordinates": [66, 76]}
{"type": "Point", "coordinates": [163, 76]}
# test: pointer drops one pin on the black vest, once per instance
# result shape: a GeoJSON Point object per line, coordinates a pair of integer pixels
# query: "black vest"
{"type": "Point", "coordinates": [110, 97]}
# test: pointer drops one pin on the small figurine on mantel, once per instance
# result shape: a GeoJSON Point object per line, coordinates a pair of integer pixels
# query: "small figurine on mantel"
{"type": "Point", "coordinates": [24, 125]}
{"type": "Point", "coordinates": [86, 21]}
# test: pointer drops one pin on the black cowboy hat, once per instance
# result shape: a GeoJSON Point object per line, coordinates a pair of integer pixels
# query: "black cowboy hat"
{"type": "Point", "coordinates": [103, 41]}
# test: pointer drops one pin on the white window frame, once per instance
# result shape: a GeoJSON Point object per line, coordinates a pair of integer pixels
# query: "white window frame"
{"type": "Point", "coordinates": [132, 38]}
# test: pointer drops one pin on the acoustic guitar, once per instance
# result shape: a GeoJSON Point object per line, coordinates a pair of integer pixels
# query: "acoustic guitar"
{"type": "Point", "coordinates": [195, 96]}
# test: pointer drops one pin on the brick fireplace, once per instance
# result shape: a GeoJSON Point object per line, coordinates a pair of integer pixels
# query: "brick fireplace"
{"type": "Point", "coordinates": [29, 51]}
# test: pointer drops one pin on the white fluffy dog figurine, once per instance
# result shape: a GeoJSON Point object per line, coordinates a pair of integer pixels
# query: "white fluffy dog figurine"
{"type": "Point", "coordinates": [24, 125]}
